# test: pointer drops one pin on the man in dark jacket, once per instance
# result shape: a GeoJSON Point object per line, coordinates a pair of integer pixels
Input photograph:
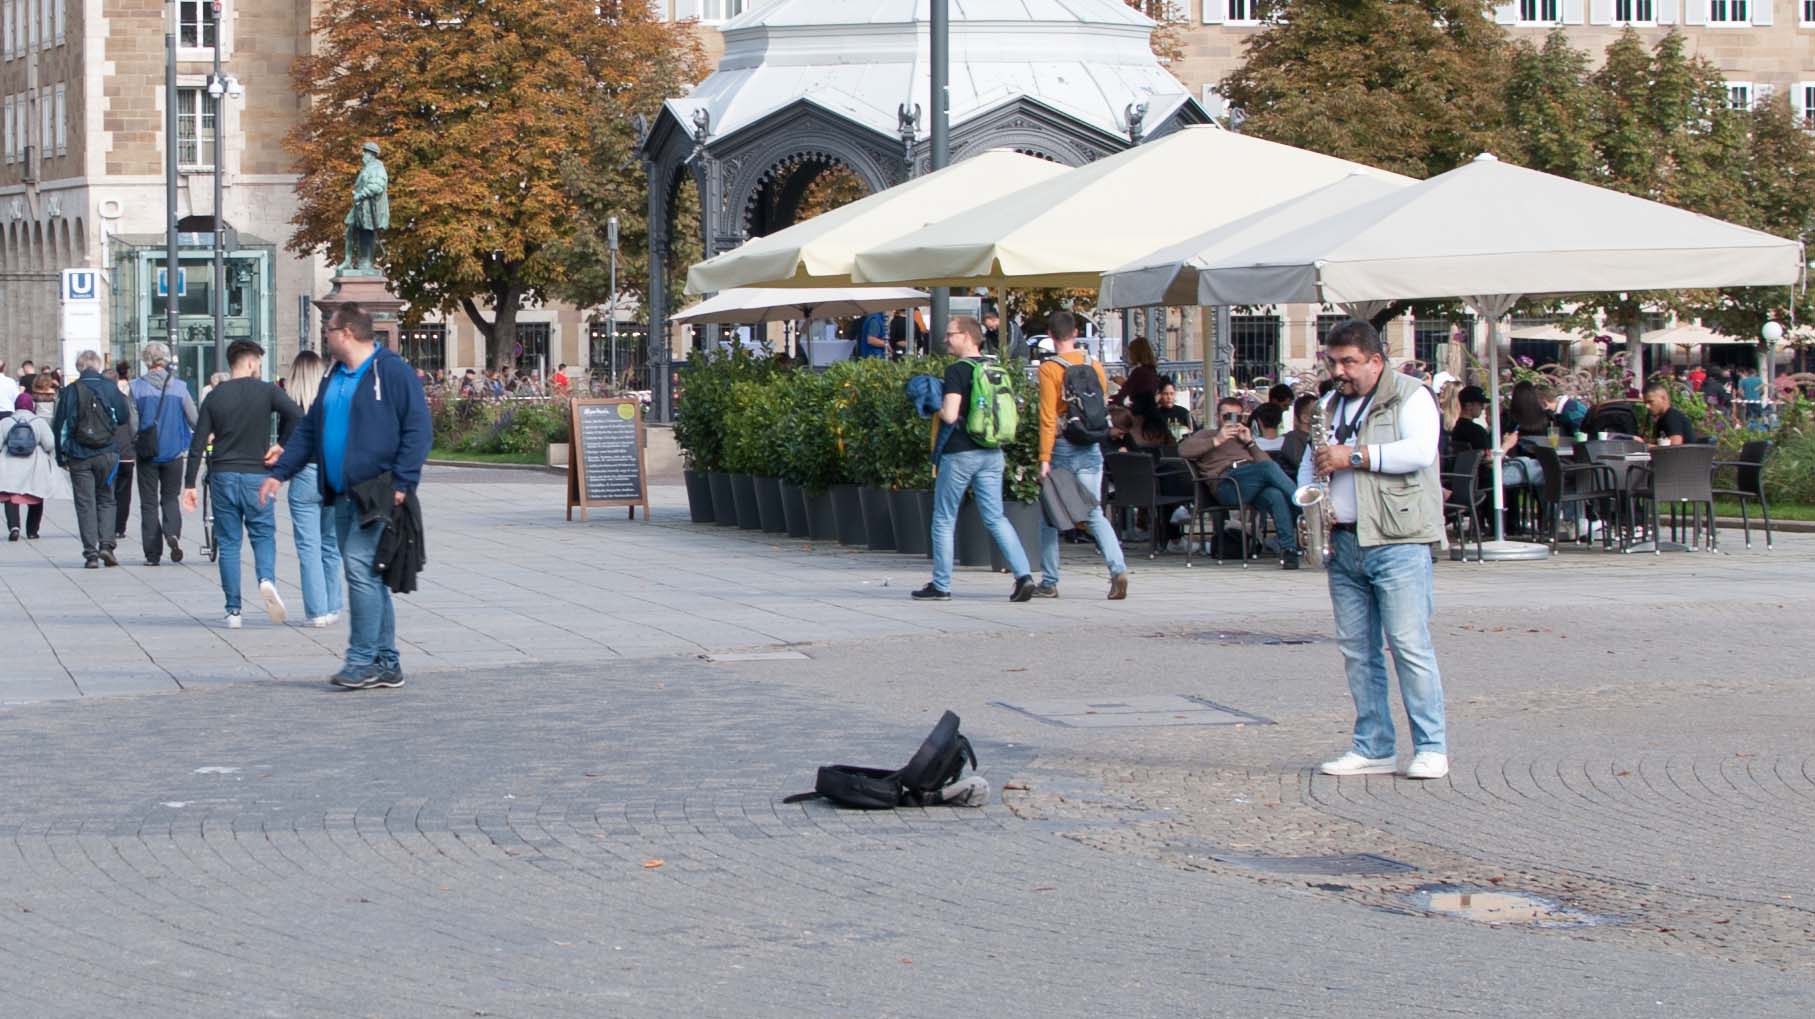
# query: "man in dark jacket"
{"type": "Point", "coordinates": [88, 413]}
{"type": "Point", "coordinates": [370, 419]}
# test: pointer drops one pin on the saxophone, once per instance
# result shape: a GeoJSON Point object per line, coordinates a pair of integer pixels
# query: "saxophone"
{"type": "Point", "coordinates": [1313, 500]}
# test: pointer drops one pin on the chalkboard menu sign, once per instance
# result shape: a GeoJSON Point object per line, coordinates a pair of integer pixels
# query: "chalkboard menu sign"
{"type": "Point", "coordinates": [605, 463]}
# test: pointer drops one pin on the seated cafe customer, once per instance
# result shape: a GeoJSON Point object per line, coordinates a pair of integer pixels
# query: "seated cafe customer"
{"type": "Point", "coordinates": [1229, 459]}
{"type": "Point", "coordinates": [1468, 432]}
{"type": "Point", "coordinates": [1669, 425]}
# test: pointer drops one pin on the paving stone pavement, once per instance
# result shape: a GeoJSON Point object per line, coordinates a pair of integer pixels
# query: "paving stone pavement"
{"type": "Point", "coordinates": [554, 818]}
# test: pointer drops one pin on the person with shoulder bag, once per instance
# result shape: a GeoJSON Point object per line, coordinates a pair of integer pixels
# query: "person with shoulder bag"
{"type": "Point", "coordinates": [1074, 420]}
{"type": "Point", "coordinates": [167, 417]}
{"type": "Point", "coordinates": [89, 412]}
{"type": "Point", "coordinates": [27, 456]}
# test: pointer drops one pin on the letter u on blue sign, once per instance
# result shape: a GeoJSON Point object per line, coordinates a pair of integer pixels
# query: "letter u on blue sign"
{"type": "Point", "coordinates": [79, 285]}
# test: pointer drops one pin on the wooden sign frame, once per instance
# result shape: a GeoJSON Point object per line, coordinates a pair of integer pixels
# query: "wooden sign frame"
{"type": "Point", "coordinates": [576, 460]}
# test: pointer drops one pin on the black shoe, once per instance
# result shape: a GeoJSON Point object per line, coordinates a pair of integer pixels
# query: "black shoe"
{"type": "Point", "coordinates": [12, 535]}
{"type": "Point", "coordinates": [108, 557]}
{"type": "Point", "coordinates": [176, 551]}
{"type": "Point", "coordinates": [151, 562]}
{"type": "Point", "coordinates": [119, 536]}
{"type": "Point", "coordinates": [356, 678]}
{"type": "Point", "coordinates": [390, 678]}
{"type": "Point", "coordinates": [91, 563]}
{"type": "Point", "coordinates": [931, 593]}
{"type": "Point", "coordinates": [1024, 589]}
{"type": "Point", "coordinates": [31, 536]}
{"type": "Point", "coordinates": [1046, 591]}
{"type": "Point", "coordinates": [1289, 561]}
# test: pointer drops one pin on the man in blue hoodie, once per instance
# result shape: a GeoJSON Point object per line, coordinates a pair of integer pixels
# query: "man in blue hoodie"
{"type": "Point", "coordinates": [370, 419]}
{"type": "Point", "coordinates": [89, 411]}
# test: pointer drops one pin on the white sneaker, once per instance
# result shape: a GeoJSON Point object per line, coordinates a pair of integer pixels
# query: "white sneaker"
{"type": "Point", "coordinates": [233, 621]}
{"type": "Point", "coordinates": [1427, 764]}
{"type": "Point", "coordinates": [323, 622]}
{"type": "Point", "coordinates": [1353, 763]}
{"type": "Point", "coordinates": [969, 791]}
{"type": "Point", "coordinates": [274, 605]}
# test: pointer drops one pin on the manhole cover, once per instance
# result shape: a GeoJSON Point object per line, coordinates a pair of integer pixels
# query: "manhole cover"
{"type": "Point", "coordinates": [1359, 864]}
{"type": "Point", "coordinates": [1496, 907]}
{"type": "Point", "coordinates": [1251, 638]}
{"type": "Point", "coordinates": [1123, 712]}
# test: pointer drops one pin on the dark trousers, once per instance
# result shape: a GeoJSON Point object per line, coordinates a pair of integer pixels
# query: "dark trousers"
{"type": "Point", "coordinates": [122, 497]}
{"type": "Point", "coordinates": [160, 506]}
{"type": "Point", "coordinates": [92, 483]}
{"type": "Point", "coordinates": [34, 516]}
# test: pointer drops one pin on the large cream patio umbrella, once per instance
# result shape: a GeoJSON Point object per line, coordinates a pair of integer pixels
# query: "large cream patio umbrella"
{"type": "Point", "coordinates": [755, 305]}
{"type": "Point", "coordinates": [1490, 233]}
{"type": "Point", "coordinates": [1068, 231]}
{"type": "Point", "coordinates": [818, 252]}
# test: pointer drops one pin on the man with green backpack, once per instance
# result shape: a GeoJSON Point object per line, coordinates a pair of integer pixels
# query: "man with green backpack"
{"type": "Point", "coordinates": [979, 405]}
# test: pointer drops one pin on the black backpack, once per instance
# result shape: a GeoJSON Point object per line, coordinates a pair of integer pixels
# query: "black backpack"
{"type": "Point", "coordinates": [94, 422]}
{"type": "Point", "coordinates": [1084, 420]}
{"type": "Point", "coordinates": [937, 764]}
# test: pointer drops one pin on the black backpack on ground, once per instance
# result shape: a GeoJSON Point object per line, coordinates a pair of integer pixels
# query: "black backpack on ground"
{"type": "Point", "coordinates": [938, 763]}
{"type": "Point", "coordinates": [1084, 420]}
{"type": "Point", "coordinates": [94, 422]}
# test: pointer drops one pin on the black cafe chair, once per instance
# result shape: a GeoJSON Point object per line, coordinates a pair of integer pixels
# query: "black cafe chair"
{"type": "Point", "coordinates": [1748, 484]}
{"type": "Point", "coordinates": [1463, 505]}
{"type": "Point", "coordinates": [1139, 482]}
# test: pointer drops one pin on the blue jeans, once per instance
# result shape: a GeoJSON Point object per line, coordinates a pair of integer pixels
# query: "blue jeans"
{"type": "Point", "coordinates": [233, 498]}
{"type": "Point", "coordinates": [978, 471]}
{"type": "Point", "coordinates": [317, 547]}
{"type": "Point", "coordinates": [371, 622]}
{"type": "Point", "coordinates": [1386, 591]}
{"type": "Point", "coordinates": [1265, 486]}
{"type": "Point", "coordinates": [1087, 463]}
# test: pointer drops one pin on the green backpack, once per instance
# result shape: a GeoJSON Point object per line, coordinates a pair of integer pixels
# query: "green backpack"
{"type": "Point", "coordinates": [993, 416]}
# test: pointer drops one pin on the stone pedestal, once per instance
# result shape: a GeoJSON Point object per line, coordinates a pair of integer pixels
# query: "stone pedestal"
{"type": "Point", "coordinates": [372, 293]}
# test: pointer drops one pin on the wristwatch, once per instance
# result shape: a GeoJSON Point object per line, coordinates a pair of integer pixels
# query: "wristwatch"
{"type": "Point", "coordinates": [1355, 458]}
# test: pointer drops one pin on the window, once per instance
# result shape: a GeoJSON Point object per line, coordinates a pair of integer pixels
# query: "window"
{"type": "Point", "coordinates": [1256, 342]}
{"type": "Point", "coordinates": [1805, 91]}
{"type": "Point", "coordinates": [12, 147]}
{"type": "Point", "coordinates": [1808, 12]}
{"type": "Point", "coordinates": [1539, 12]}
{"type": "Point", "coordinates": [424, 346]}
{"type": "Point", "coordinates": [11, 14]}
{"type": "Point", "coordinates": [196, 28]}
{"type": "Point", "coordinates": [194, 128]}
{"type": "Point", "coordinates": [532, 343]}
{"type": "Point", "coordinates": [632, 348]}
{"type": "Point", "coordinates": [46, 18]}
{"type": "Point", "coordinates": [1242, 12]}
{"type": "Point", "coordinates": [60, 118]}
{"type": "Point", "coordinates": [61, 4]}
{"type": "Point", "coordinates": [1325, 323]}
{"type": "Point", "coordinates": [1427, 333]}
{"type": "Point", "coordinates": [1634, 12]}
{"type": "Point", "coordinates": [1739, 95]}
{"type": "Point", "coordinates": [1729, 12]}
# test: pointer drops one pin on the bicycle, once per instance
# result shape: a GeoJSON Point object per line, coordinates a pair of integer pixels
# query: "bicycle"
{"type": "Point", "coordinates": [209, 548]}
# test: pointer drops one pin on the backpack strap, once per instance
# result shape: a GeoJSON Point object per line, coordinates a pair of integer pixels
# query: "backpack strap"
{"type": "Point", "coordinates": [804, 797]}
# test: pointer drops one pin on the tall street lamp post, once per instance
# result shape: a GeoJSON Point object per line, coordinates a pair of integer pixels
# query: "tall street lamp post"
{"type": "Point", "coordinates": [940, 70]}
{"type": "Point", "coordinates": [611, 318]}
{"type": "Point", "coordinates": [173, 273]}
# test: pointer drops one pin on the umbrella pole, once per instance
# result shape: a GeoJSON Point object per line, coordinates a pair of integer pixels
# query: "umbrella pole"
{"type": "Point", "coordinates": [1499, 549]}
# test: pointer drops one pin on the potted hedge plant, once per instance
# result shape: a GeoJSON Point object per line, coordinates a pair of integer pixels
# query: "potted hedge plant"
{"type": "Point", "coordinates": [699, 430]}
{"type": "Point", "coordinates": [844, 382]}
{"type": "Point", "coordinates": [910, 461]}
{"type": "Point", "coordinates": [810, 458]}
{"type": "Point", "coordinates": [872, 445]}
{"type": "Point", "coordinates": [744, 449]}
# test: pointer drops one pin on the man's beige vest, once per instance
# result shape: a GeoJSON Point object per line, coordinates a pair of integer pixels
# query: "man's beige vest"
{"type": "Point", "coordinates": [1396, 509]}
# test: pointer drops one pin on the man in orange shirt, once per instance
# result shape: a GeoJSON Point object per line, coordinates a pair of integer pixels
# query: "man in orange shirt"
{"type": "Point", "coordinates": [1072, 426]}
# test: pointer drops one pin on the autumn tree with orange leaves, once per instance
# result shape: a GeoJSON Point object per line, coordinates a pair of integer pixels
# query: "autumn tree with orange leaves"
{"type": "Point", "coordinates": [488, 112]}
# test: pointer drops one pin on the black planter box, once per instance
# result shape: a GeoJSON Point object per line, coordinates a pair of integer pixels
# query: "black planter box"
{"type": "Point", "coordinates": [794, 510]}
{"type": "Point", "coordinates": [847, 511]}
{"type": "Point", "coordinates": [768, 504]}
{"type": "Point", "coordinates": [699, 496]}
{"type": "Point", "coordinates": [743, 494]}
{"type": "Point", "coordinates": [910, 513]}
{"type": "Point", "coordinates": [878, 526]}
{"type": "Point", "coordinates": [724, 506]}
{"type": "Point", "coordinates": [973, 544]}
{"type": "Point", "coordinates": [1025, 518]}
{"type": "Point", "coordinates": [822, 522]}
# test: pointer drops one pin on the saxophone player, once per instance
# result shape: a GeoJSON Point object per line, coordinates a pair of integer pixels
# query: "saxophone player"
{"type": "Point", "coordinates": [1386, 500]}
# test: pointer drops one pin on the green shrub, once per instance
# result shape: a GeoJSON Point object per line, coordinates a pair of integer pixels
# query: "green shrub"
{"type": "Point", "coordinates": [753, 423]}
{"type": "Point", "coordinates": [1021, 467]}
{"type": "Point", "coordinates": [809, 442]}
{"type": "Point", "coordinates": [700, 406]}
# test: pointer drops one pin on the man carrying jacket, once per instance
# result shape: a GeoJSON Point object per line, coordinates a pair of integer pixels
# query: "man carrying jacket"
{"type": "Point", "coordinates": [370, 420]}
{"type": "Point", "coordinates": [87, 415]}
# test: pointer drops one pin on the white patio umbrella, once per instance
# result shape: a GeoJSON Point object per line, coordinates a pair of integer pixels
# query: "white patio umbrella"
{"type": "Point", "coordinates": [1068, 231]}
{"type": "Point", "coordinates": [754, 305]}
{"type": "Point", "coordinates": [1170, 275]}
{"type": "Point", "coordinates": [1693, 334]}
{"type": "Point", "coordinates": [1490, 233]}
{"type": "Point", "coordinates": [1548, 332]}
{"type": "Point", "coordinates": [818, 252]}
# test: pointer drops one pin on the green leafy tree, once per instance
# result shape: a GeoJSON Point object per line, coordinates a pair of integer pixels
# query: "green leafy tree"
{"type": "Point", "coordinates": [1413, 86]}
{"type": "Point", "coordinates": [1550, 111]}
{"type": "Point", "coordinates": [485, 109]}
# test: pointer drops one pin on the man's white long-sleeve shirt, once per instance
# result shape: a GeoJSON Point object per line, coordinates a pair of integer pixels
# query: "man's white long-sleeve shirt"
{"type": "Point", "coordinates": [1420, 427]}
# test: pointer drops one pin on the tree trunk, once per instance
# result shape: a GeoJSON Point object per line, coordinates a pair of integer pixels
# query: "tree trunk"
{"type": "Point", "coordinates": [500, 334]}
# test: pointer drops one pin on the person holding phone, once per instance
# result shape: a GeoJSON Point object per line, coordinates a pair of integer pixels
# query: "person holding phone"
{"type": "Point", "coordinates": [1230, 461]}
